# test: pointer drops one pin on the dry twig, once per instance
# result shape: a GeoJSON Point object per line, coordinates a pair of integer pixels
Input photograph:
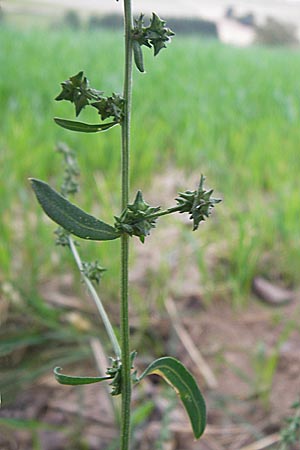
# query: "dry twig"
{"type": "Point", "coordinates": [188, 343]}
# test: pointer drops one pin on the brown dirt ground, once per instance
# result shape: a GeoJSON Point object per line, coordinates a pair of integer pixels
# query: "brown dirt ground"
{"type": "Point", "coordinates": [247, 403]}
{"type": "Point", "coordinates": [238, 414]}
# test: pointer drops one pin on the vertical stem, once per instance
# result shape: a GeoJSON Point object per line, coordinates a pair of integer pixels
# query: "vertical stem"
{"type": "Point", "coordinates": [126, 363]}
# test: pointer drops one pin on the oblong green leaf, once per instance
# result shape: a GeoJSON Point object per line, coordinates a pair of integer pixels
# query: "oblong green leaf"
{"type": "Point", "coordinates": [74, 380]}
{"type": "Point", "coordinates": [175, 374]}
{"type": "Point", "coordinates": [82, 127]}
{"type": "Point", "coordinates": [69, 216]}
{"type": "Point", "coordinates": [138, 56]}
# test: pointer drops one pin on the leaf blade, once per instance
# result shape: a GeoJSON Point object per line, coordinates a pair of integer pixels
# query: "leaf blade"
{"type": "Point", "coordinates": [76, 380]}
{"type": "Point", "coordinates": [69, 216]}
{"type": "Point", "coordinates": [82, 127]}
{"type": "Point", "coordinates": [185, 386]}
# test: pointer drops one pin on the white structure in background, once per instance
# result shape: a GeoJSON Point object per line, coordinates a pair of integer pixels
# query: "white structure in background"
{"type": "Point", "coordinates": [233, 32]}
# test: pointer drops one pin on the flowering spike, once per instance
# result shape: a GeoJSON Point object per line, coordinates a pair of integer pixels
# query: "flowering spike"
{"type": "Point", "coordinates": [77, 90]}
{"type": "Point", "coordinates": [135, 220]}
{"type": "Point", "coordinates": [156, 35]}
{"type": "Point", "coordinates": [197, 203]}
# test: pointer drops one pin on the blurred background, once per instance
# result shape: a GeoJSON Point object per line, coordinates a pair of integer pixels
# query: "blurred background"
{"type": "Point", "coordinates": [222, 100]}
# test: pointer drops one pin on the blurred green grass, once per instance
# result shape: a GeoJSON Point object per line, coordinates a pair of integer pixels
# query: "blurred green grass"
{"type": "Point", "coordinates": [232, 114]}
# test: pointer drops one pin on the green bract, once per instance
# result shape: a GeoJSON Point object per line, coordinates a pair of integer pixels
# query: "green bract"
{"type": "Point", "coordinates": [77, 90]}
{"type": "Point", "coordinates": [156, 35]}
{"type": "Point", "coordinates": [93, 270]}
{"type": "Point", "coordinates": [197, 203]}
{"type": "Point", "coordinates": [135, 220]}
{"type": "Point", "coordinates": [110, 107]}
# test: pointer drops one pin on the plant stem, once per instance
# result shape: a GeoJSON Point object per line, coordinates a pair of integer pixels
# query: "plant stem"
{"type": "Point", "coordinates": [126, 362]}
{"type": "Point", "coordinates": [93, 293]}
{"type": "Point", "coordinates": [164, 212]}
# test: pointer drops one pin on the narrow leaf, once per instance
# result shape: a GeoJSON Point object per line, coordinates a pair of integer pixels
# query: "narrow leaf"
{"type": "Point", "coordinates": [138, 56]}
{"type": "Point", "coordinates": [69, 216]}
{"type": "Point", "coordinates": [185, 386]}
{"type": "Point", "coordinates": [83, 127]}
{"type": "Point", "coordinates": [75, 381]}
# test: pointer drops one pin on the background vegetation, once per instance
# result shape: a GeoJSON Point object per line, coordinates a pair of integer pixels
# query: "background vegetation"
{"type": "Point", "coordinates": [231, 114]}
{"type": "Point", "coordinates": [234, 116]}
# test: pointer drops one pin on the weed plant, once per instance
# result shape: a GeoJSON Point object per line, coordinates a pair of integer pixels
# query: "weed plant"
{"type": "Point", "coordinates": [239, 124]}
{"type": "Point", "coordinates": [290, 433]}
{"type": "Point", "coordinates": [241, 119]}
{"type": "Point", "coordinates": [134, 219]}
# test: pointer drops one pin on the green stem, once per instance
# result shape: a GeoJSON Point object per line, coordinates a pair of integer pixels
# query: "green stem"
{"type": "Point", "coordinates": [126, 362]}
{"type": "Point", "coordinates": [164, 212]}
{"type": "Point", "coordinates": [93, 293]}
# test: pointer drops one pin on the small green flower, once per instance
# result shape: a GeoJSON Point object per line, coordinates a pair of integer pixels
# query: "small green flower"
{"type": "Point", "coordinates": [62, 237]}
{"type": "Point", "coordinates": [77, 90]}
{"type": "Point", "coordinates": [135, 220]}
{"type": "Point", "coordinates": [93, 271]}
{"type": "Point", "coordinates": [155, 35]}
{"type": "Point", "coordinates": [197, 203]}
{"type": "Point", "coordinates": [110, 107]}
{"type": "Point", "coordinates": [115, 371]}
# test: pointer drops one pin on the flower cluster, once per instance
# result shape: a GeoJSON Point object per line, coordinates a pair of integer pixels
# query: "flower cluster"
{"type": "Point", "coordinates": [155, 35]}
{"type": "Point", "coordinates": [110, 107]}
{"type": "Point", "coordinates": [197, 203]}
{"type": "Point", "coordinates": [115, 372]}
{"type": "Point", "coordinates": [93, 271]}
{"type": "Point", "coordinates": [136, 219]}
{"type": "Point", "coordinates": [78, 91]}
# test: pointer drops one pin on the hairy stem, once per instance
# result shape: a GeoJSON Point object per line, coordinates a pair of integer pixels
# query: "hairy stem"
{"type": "Point", "coordinates": [93, 293]}
{"type": "Point", "coordinates": [164, 212]}
{"type": "Point", "coordinates": [126, 362]}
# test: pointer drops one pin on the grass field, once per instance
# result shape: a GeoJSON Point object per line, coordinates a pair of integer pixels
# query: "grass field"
{"type": "Point", "coordinates": [202, 107]}
{"type": "Point", "coordinates": [232, 114]}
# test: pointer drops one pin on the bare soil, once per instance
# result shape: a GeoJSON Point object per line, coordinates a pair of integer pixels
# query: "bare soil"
{"type": "Point", "coordinates": [246, 361]}
{"type": "Point", "coordinates": [245, 406]}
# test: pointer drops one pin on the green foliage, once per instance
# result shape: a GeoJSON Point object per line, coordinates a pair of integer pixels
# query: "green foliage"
{"type": "Point", "coordinates": [69, 216]}
{"type": "Point", "coordinates": [77, 90]}
{"type": "Point", "coordinates": [83, 127]}
{"type": "Point", "coordinates": [264, 365]}
{"type": "Point", "coordinates": [237, 126]}
{"type": "Point", "coordinates": [245, 134]}
{"type": "Point", "coordinates": [110, 107]}
{"type": "Point", "coordinates": [290, 434]}
{"type": "Point", "coordinates": [93, 270]}
{"type": "Point", "coordinates": [156, 35]}
{"type": "Point", "coordinates": [76, 380]}
{"type": "Point", "coordinates": [197, 203]}
{"type": "Point", "coordinates": [135, 220]}
{"type": "Point", "coordinates": [185, 386]}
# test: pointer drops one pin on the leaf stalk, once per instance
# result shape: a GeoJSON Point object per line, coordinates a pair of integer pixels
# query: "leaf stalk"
{"type": "Point", "coordinates": [93, 293]}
